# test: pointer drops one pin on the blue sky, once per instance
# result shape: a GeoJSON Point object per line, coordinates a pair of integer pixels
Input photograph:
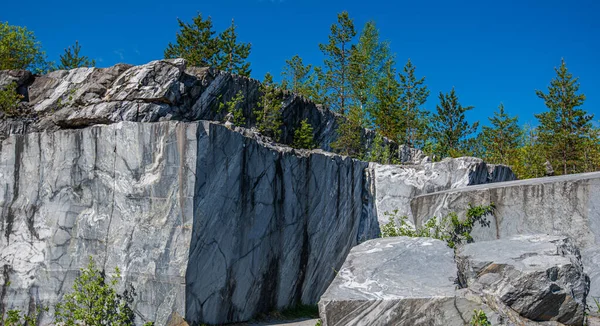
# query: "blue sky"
{"type": "Point", "coordinates": [490, 51]}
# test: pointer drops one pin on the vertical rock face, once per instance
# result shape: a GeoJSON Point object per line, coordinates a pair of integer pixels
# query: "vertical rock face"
{"type": "Point", "coordinates": [396, 185]}
{"type": "Point", "coordinates": [270, 226]}
{"type": "Point", "coordinates": [201, 220]}
{"type": "Point", "coordinates": [122, 194]}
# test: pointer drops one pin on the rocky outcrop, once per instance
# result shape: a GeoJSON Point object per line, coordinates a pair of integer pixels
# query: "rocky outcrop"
{"type": "Point", "coordinates": [540, 277]}
{"type": "Point", "coordinates": [201, 220]}
{"type": "Point", "coordinates": [563, 205]}
{"type": "Point", "coordinates": [413, 281]}
{"type": "Point", "coordinates": [157, 91]}
{"type": "Point", "coordinates": [396, 185]}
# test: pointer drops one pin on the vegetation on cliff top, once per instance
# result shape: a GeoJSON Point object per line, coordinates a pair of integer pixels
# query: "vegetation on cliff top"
{"type": "Point", "coordinates": [360, 80]}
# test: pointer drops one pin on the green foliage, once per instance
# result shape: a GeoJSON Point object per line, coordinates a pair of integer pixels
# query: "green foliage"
{"type": "Point", "coordinates": [349, 133]}
{"type": "Point", "coordinates": [195, 42]}
{"type": "Point", "coordinates": [319, 323]}
{"type": "Point", "coordinates": [233, 108]}
{"type": "Point", "coordinates": [502, 138]}
{"type": "Point", "coordinates": [449, 127]}
{"type": "Point", "coordinates": [563, 128]}
{"type": "Point", "coordinates": [232, 55]}
{"type": "Point", "coordinates": [10, 99]}
{"type": "Point", "coordinates": [95, 301]}
{"type": "Point", "coordinates": [449, 229]}
{"type": "Point", "coordinates": [19, 49]}
{"type": "Point", "coordinates": [479, 319]}
{"type": "Point", "coordinates": [268, 115]}
{"type": "Point", "coordinates": [72, 59]}
{"type": "Point", "coordinates": [414, 94]}
{"type": "Point", "coordinates": [530, 158]}
{"type": "Point", "coordinates": [15, 318]}
{"type": "Point", "coordinates": [370, 61]}
{"type": "Point", "coordinates": [597, 304]}
{"type": "Point", "coordinates": [336, 73]}
{"type": "Point", "coordinates": [303, 136]}
{"type": "Point", "coordinates": [297, 77]}
{"type": "Point", "coordinates": [379, 151]}
{"type": "Point", "coordinates": [387, 114]}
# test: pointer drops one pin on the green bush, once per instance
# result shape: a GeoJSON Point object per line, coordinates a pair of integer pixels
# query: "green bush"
{"type": "Point", "coordinates": [303, 136]}
{"type": "Point", "coordinates": [449, 229]}
{"type": "Point", "coordinates": [95, 301]}
{"type": "Point", "coordinates": [15, 318]}
{"type": "Point", "coordinates": [479, 319]}
{"type": "Point", "coordinates": [234, 108]}
{"type": "Point", "coordinates": [10, 99]}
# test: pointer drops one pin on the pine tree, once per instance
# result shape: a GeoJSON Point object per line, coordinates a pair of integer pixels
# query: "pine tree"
{"type": "Point", "coordinates": [195, 42]}
{"type": "Point", "coordinates": [370, 61]}
{"type": "Point", "coordinates": [502, 138]}
{"type": "Point", "coordinates": [349, 133]}
{"type": "Point", "coordinates": [413, 96]}
{"type": "Point", "coordinates": [268, 115]}
{"type": "Point", "coordinates": [379, 151]}
{"type": "Point", "coordinates": [232, 55]}
{"type": "Point", "coordinates": [315, 89]}
{"type": "Point", "coordinates": [71, 59]}
{"type": "Point", "coordinates": [386, 114]}
{"type": "Point", "coordinates": [296, 75]}
{"type": "Point", "coordinates": [591, 150]}
{"type": "Point", "coordinates": [563, 127]}
{"type": "Point", "coordinates": [529, 160]}
{"type": "Point", "coordinates": [449, 127]}
{"type": "Point", "coordinates": [335, 75]}
{"type": "Point", "coordinates": [303, 136]}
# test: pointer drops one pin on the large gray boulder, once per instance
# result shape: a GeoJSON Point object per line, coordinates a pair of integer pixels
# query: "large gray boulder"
{"type": "Point", "coordinates": [397, 281]}
{"type": "Point", "coordinates": [416, 281]}
{"type": "Point", "coordinates": [540, 277]}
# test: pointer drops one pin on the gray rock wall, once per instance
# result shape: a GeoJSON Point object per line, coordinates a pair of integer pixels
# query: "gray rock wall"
{"type": "Point", "coordinates": [122, 194]}
{"type": "Point", "coordinates": [564, 205]}
{"type": "Point", "coordinates": [396, 185]}
{"type": "Point", "coordinates": [270, 226]}
{"type": "Point", "coordinates": [201, 220]}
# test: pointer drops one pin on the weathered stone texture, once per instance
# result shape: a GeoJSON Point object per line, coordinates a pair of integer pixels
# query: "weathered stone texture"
{"type": "Point", "coordinates": [396, 185]}
{"type": "Point", "coordinates": [533, 280]}
{"type": "Point", "coordinates": [263, 226]}
{"type": "Point", "coordinates": [121, 194]}
{"type": "Point", "coordinates": [157, 91]}
{"type": "Point", "coordinates": [564, 205]}
{"type": "Point", "coordinates": [538, 276]}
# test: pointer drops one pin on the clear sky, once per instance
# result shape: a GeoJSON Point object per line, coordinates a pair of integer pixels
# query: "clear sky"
{"type": "Point", "coordinates": [490, 51]}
